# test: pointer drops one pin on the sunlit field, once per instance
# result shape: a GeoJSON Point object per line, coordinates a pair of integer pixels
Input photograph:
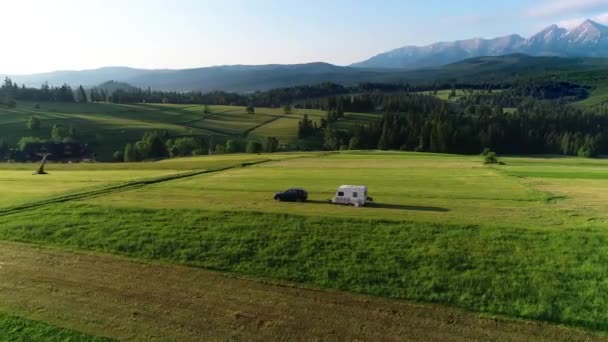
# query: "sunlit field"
{"type": "Point", "coordinates": [526, 239]}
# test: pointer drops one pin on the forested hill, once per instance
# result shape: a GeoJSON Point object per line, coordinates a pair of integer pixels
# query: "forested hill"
{"type": "Point", "coordinates": [246, 79]}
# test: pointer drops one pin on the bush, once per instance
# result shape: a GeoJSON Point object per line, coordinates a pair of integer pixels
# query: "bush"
{"type": "Point", "coordinates": [118, 156]}
{"type": "Point", "coordinates": [272, 144]}
{"type": "Point", "coordinates": [490, 158]}
{"type": "Point", "coordinates": [173, 152]}
{"type": "Point", "coordinates": [183, 147]}
{"type": "Point", "coordinates": [354, 143]}
{"type": "Point", "coordinates": [33, 123]}
{"type": "Point", "coordinates": [142, 150]}
{"type": "Point", "coordinates": [232, 146]}
{"type": "Point", "coordinates": [254, 147]}
{"type": "Point", "coordinates": [220, 149]}
{"type": "Point", "coordinates": [58, 132]}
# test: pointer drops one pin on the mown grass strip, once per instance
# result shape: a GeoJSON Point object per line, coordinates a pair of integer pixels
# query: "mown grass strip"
{"type": "Point", "coordinates": [17, 329]}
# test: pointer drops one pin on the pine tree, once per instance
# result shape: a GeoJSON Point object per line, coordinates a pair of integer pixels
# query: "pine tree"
{"type": "Point", "coordinates": [72, 132]}
{"type": "Point", "coordinates": [82, 95]}
{"type": "Point", "coordinates": [3, 149]}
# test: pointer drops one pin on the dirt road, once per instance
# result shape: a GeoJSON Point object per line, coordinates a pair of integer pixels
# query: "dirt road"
{"type": "Point", "coordinates": [113, 297]}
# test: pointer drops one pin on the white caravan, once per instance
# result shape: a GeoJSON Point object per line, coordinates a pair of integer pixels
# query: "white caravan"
{"type": "Point", "coordinates": [351, 195]}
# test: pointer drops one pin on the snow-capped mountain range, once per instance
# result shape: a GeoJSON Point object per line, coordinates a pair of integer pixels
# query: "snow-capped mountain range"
{"type": "Point", "coordinates": [590, 39]}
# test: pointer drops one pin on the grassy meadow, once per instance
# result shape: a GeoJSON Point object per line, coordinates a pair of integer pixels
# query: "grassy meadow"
{"type": "Point", "coordinates": [16, 329]}
{"type": "Point", "coordinates": [19, 186]}
{"type": "Point", "coordinates": [526, 239]}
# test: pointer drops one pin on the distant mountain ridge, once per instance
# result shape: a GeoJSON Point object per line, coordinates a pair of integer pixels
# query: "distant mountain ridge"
{"type": "Point", "coordinates": [234, 78]}
{"type": "Point", "coordinates": [590, 39]}
{"type": "Point", "coordinates": [245, 79]}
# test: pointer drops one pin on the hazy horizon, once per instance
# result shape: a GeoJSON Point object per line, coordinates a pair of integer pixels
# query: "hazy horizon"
{"type": "Point", "coordinates": [76, 35]}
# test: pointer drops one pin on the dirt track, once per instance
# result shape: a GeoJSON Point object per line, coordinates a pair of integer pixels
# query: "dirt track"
{"type": "Point", "coordinates": [113, 297]}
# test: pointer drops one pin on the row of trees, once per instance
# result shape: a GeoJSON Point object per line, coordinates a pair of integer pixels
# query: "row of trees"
{"type": "Point", "coordinates": [58, 132]}
{"type": "Point", "coordinates": [322, 96]}
{"type": "Point", "coordinates": [156, 145]}
{"type": "Point", "coordinates": [11, 91]}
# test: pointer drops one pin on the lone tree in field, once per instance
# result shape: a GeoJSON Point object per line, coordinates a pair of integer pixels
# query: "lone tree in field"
{"type": "Point", "coordinates": [250, 110]}
{"type": "Point", "coordinates": [40, 170]}
{"type": "Point", "coordinates": [287, 109]}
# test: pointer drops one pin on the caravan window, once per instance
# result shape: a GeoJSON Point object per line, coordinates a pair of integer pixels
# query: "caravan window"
{"type": "Point", "coordinates": [355, 194]}
{"type": "Point", "coordinates": [340, 193]}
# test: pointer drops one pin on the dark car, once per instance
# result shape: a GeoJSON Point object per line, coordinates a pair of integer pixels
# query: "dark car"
{"type": "Point", "coordinates": [292, 195]}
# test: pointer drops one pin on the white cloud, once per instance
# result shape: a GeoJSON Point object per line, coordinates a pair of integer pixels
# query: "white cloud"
{"type": "Point", "coordinates": [574, 22]}
{"type": "Point", "coordinates": [564, 7]}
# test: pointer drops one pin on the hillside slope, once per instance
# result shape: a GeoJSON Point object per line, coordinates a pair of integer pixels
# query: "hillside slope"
{"type": "Point", "coordinates": [107, 127]}
{"type": "Point", "coordinates": [236, 78]}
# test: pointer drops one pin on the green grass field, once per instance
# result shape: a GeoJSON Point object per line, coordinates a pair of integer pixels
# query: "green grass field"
{"type": "Point", "coordinates": [108, 127]}
{"type": "Point", "coordinates": [16, 329]}
{"type": "Point", "coordinates": [526, 240]}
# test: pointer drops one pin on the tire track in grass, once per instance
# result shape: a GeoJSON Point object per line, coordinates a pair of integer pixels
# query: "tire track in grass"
{"type": "Point", "coordinates": [249, 130]}
{"type": "Point", "coordinates": [122, 187]}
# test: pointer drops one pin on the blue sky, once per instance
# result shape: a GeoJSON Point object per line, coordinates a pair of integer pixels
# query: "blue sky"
{"type": "Point", "coordinates": [76, 34]}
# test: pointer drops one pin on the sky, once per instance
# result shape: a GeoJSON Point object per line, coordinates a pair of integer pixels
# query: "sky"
{"type": "Point", "coordinates": [41, 35]}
